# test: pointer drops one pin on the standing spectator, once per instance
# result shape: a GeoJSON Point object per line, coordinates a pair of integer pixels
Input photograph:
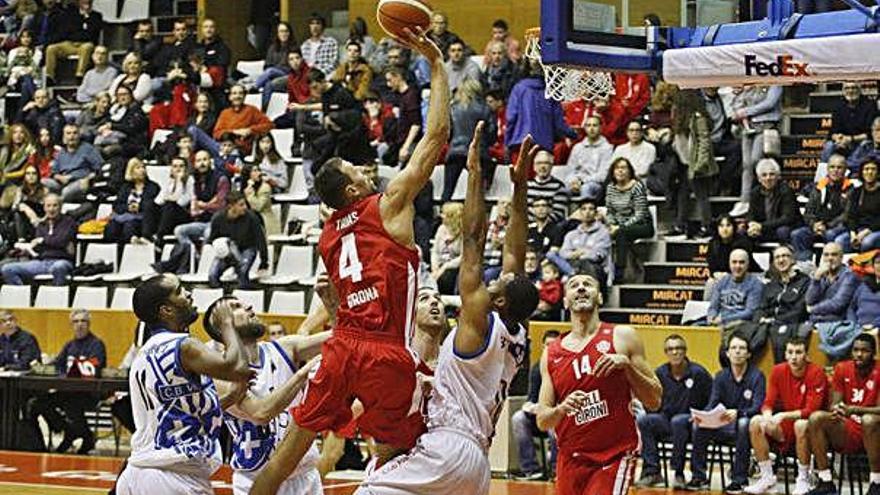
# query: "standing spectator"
{"type": "Point", "coordinates": [758, 109]}
{"type": "Point", "coordinates": [446, 252]}
{"type": "Point", "coordinates": [460, 67]}
{"type": "Point", "coordinates": [51, 249]}
{"type": "Point", "coordinates": [628, 217]}
{"type": "Point", "coordinates": [18, 347]}
{"type": "Point", "coordinates": [355, 73]}
{"type": "Point", "coordinates": [741, 389]}
{"type": "Point", "coordinates": [138, 194]}
{"type": "Point", "coordinates": [43, 111]}
{"type": "Point", "coordinates": [773, 208]}
{"type": "Point", "coordinates": [828, 299]}
{"type": "Point", "coordinates": [134, 78]}
{"type": "Point", "coordinates": [440, 34]}
{"type": "Point", "coordinates": [14, 154]}
{"type": "Point", "coordinates": [724, 144]}
{"type": "Point", "coordinates": [499, 72]}
{"type": "Point", "coordinates": [468, 108]}
{"type": "Point", "coordinates": [244, 121]}
{"type": "Point", "coordinates": [825, 213]}
{"type": "Point", "coordinates": [501, 34]}
{"type": "Point", "coordinates": [865, 306]}
{"type": "Point", "coordinates": [146, 45]}
{"type": "Point", "coordinates": [258, 194]}
{"type": "Point", "coordinates": [78, 32]}
{"type": "Point", "coordinates": [525, 429]}
{"type": "Point", "coordinates": [589, 162]}
{"type": "Point", "coordinates": [850, 121]}
{"type": "Point", "coordinates": [270, 163]}
{"type": "Point", "coordinates": [23, 66]}
{"type": "Point", "coordinates": [863, 212]}
{"type": "Point", "coordinates": [99, 78]}
{"type": "Point", "coordinates": [544, 236]}
{"type": "Point", "coordinates": [320, 52]}
{"type": "Point", "coordinates": [638, 151]}
{"type": "Point", "coordinates": [784, 304]}
{"type": "Point", "coordinates": [172, 203]}
{"type": "Point", "coordinates": [215, 56]}
{"type": "Point", "coordinates": [263, 15]}
{"type": "Point", "coordinates": [586, 249]}
{"type": "Point", "coordinates": [545, 186]}
{"type": "Point", "coordinates": [867, 150]}
{"type": "Point", "coordinates": [238, 237]}
{"type": "Point", "coordinates": [495, 102]}
{"type": "Point", "coordinates": [686, 386]}
{"type": "Point", "coordinates": [74, 168]}
{"type": "Point", "coordinates": [408, 108]}
{"type": "Point", "coordinates": [797, 389]}
{"type": "Point", "coordinates": [274, 76]}
{"type": "Point", "coordinates": [736, 296]}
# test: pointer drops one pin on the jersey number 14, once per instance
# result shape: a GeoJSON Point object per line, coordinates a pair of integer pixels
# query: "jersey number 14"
{"type": "Point", "coordinates": [582, 367]}
{"type": "Point", "coordinates": [349, 262]}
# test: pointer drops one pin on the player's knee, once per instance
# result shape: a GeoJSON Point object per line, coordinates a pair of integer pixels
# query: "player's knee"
{"type": "Point", "coordinates": [870, 423]}
{"type": "Point", "coordinates": [819, 418]}
{"type": "Point", "coordinates": [755, 424]}
{"type": "Point", "coordinates": [800, 427]}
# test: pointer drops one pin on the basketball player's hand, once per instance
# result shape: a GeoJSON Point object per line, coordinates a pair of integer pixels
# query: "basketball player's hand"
{"type": "Point", "coordinates": [473, 159]}
{"type": "Point", "coordinates": [840, 411]}
{"type": "Point", "coordinates": [608, 363]}
{"type": "Point", "coordinates": [327, 292]}
{"type": "Point", "coordinates": [519, 171]}
{"type": "Point", "coordinates": [418, 40]}
{"type": "Point", "coordinates": [573, 402]}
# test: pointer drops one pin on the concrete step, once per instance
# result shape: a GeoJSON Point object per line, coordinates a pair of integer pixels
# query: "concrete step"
{"type": "Point", "coordinates": [657, 296]}
{"type": "Point", "coordinates": [638, 316]}
{"type": "Point", "coordinates": [676, 273]}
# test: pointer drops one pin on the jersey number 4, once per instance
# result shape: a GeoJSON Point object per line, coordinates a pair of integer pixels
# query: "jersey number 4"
{"type": "Point", "coordinates": [349, 262]}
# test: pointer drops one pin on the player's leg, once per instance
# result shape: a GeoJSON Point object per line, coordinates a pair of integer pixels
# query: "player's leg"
{"type": "Point", "coordinates": [145, 481]}
{"type": "Point", "coordinates": [828, 433]}
{"type": "Point", "coordinates": [761, 430]}
{"type": "Point", "coordinates": [802, 448]}
{"type": "Point", "coordinates": [653, 427]}
{"type": "Point", "coordinates": [332, 449]}
{"type": "Point", "coordinates": [871, 439]}
{"type": "Point", "coordinates": [572, 476]}
{"type": "Point", "coordinates": [614, 478]}
{"type": "Point", "coordinates": [307, 483]}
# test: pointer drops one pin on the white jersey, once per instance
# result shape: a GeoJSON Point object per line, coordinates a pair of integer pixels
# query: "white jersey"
{"type": "Point", "coordinates": [177, 414]}
{"type": "Point", "coordinates": [469, 391]}
{"type": "Point", "coordinates": [252, 444]}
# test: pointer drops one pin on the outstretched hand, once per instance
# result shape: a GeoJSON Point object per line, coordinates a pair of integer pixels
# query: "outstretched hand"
{"type": "Point", "coordinates": [519, 171]}
{"type": "Point", "coordinates": [419, 41]}
{"type": "Point", "coordinates": [473, 160]}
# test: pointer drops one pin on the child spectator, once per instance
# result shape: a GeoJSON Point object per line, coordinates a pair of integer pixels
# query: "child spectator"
{"type": "Point", "coordinates": [549, 294]}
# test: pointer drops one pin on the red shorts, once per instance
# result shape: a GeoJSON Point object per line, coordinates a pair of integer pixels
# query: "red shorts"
{"type": "Point", "coordinates": [788, 438]}
{"type": "Point", "coordinates": [380, 374]}
{"type": "Point", "coordinates": [578, 478]}
{"type": "Point", "coordinates": [853, 440]}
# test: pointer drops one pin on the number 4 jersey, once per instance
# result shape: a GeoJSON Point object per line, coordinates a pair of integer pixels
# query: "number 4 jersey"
{"type": "Point", "coordinates": [604, 428]}
{"type": "Point", "coordinates": [374, 275]}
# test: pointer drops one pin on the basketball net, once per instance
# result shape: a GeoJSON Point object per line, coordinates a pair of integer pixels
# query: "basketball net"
{"type": "Point", "coordinates": [567, 83]}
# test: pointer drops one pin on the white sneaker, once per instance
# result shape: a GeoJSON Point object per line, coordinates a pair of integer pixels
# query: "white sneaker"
{"type": "Point", "coordinates": [739, 209]}
{"type": "Point", "coordinates": [763, 485]}
{"type": "Point", "coordinates": [801, 486]}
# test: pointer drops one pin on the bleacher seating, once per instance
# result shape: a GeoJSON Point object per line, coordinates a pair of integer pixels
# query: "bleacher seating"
{"type": "Point", "coordinates": [52, 297]}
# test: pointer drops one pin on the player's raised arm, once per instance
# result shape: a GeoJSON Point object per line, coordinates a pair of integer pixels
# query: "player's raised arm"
{"type": "Point", "coordinates": [303, 347]}
{"type": "Point", "coordinates": [261, 410]}
{"type": "Point", "coordinates": [231, 366]}
{"type": "Point", "coordinates": [404, 188]}
{"type": "Point", "coordinates": [514, 253]}
{"type": "Point", "coordinates": [630, 358]}
{"type": "Point", "coordinates": [475, 300]}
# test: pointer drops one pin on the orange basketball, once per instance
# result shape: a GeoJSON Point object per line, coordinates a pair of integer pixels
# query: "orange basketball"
{"type": "Point", "coordinates": [394, 15]}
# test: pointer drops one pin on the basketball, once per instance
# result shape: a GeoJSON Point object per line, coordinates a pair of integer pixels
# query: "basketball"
{"type": "Point", "coordinates": [394, 15]}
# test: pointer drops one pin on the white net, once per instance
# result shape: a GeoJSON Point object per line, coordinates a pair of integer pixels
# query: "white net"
{"type": "Point", "coordinates": [565, 83]}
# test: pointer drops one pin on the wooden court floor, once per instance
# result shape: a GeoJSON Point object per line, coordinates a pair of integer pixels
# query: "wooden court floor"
{"type": "Point", "coordinates": [25, 473]}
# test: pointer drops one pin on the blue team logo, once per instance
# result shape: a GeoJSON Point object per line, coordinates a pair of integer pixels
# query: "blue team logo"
{"type": "Point", "coordinates": [252, 447]}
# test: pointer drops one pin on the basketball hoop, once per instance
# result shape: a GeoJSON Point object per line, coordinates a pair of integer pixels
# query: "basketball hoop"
{"type": "Point", "coordinates": [567, 83]}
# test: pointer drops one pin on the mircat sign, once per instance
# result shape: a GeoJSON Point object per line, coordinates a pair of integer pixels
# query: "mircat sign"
{"type": "Point", "coordinates": [811, 60]}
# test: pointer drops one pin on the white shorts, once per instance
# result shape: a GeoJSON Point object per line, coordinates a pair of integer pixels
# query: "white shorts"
{"type": "Point", "coordinates": [305, 483]}
{"type": "Point", "coordinates": [150, 481]}
{"type": "Point", "coordinates": [443, 462]}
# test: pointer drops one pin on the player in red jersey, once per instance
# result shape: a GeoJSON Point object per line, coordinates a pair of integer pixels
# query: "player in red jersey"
{"type": "Point", "coordinates": [853, 423]}
{"type": "Point", "coordinates": [369, 250]}
{"type": "Point", "coordinates": [797, 389]}
{"type": "Point", "coordinates": [589, 378]}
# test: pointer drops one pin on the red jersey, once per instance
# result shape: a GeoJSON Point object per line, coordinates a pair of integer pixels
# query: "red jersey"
{"type": "Point", "coordinates": [605, 428]}
{"type": "Point", "coordinates": [855, 389]}
{"type": "Point", "coordinates": [787, 392]}
{"type": "Point", "coordinates": [375, 276]}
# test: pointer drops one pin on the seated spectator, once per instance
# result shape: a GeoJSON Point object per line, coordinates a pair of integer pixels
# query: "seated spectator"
{"type": "Point", "coordinates": [850, 122]}
{"type": "Point", "coordinates": [525, 429]}
{"type": "Point", "coordinates": [45, 152]}
{"type": "Point", "coordinates": [138, 194]}
{"type": "Point", "coordinates": [93, 116]}
{"type": "Point", "coordinates": [408, 109]}
{"type": "Point", "coordinates": [74, 168]}
{"type": "Point", "coordinates": [274, 75]}
{"type": "Point", "coordinates": [126, 132]}
{"type": "Point", "coordinates": [215, 56]}
{"type": "Point", "coordinates": [371, 171]}
{"type": "Point", "coordinates": [460, 67]}
{"type": "Point", "coordinates": [47, 22]}
{"type": "Point", "coordinates": [203, 115]}
{"type": "Point", "coordinates": [740, 388]}
{"type": "Point", "coordinates": [589, 162]}
{"type": "Point", "coordinates": [501, 34]}
{"type": "Point", "coordinates": [357, 32]}
{"type": "Point", "coordinates": [77, 34]}
{"type": "Point", "coordinates": [638, 151]}
{"type": "Point", "coordinates": [228, 158]}
{"type": "Point", "coordinates": [865, 306]}
{"type": "Point", "coordinates": [99, 78]}
{"type": "Point", "coordinates": [50, 251]}
{"type": "Point", "coordinates": [549, 294]}
{"type": "Point", "coordinates": [275, 330]}
{"type": "Point", "coordinates": [586, 249]}
{"type": "Point", "coordinates": [499, 72]}
{"type": "Point", "coordinates": [238, 237]}
{"type": "Point", "coordinates": [783, 306]}
{"type": "Point", "coordinates": [773, 208]}
{"type": "Point", "coordinates": [495, 234]}
{"type": "Point", "coordinates": [23, 67]}
{"type": "Point", "coordinates": [628, 217]}
{"type": "Point", "coordinates": [440, 35]}
{"type": "Point", "coordinates": [176, 53]}
{"type": "Point", "coordinates": [22, 206]}
{"type": "Point", "coordinates": [544, 234]}
{"type": "Point", "coordinates": [825, 213]}
{"type": "Point", "coordinates": [863, 212]}
{"type": "Point", "coordinates": [258, 193]}
{"type": "Point", "coordinates": [724, 144]}
{"type": "Point", "coordinates": [172, 203]}
{"type": "Point", "coordinates": [545, 186]}
{"type": "Point", "coordinates": [736, 296]}
{"type": "Point", "coordinates": [828, 298]}
{"type": "Point", "coordinates": [270, 163]}
{"type": "Point", "coordinates": [850, 425]}
{"type": "Point", "coordinates": [319, 51]}
{"type": "Point", "coordinates": [756, 109]}
{"type": "Point", "coordinates": [495, 102]}
{"type": "Point", "coordinates": [171, 103]}
{"type": "Point", "coordinates": [146, 45]}
{"type": "Point", "coordinates": [134, 78]}
{"type": "Point", "coordinates": [14, 154]}
{"type": "Point", "coordinates": [797, 388]}
{"type": "Point", "coordinates": [468, 108]}
{"type": "Point", "coordinates": [244, 121]}
{"type": "Point", "coordinates": [867, 150]}
{"type": "Point", "coordinates": [725, 240]}
{"type": "Point", "coordinates": [299, 96]}
{"type": "Point", "coordinates": [18, 16]}
{"type": "Point", "coordinates": [686, 386]}
{"type": "Point", "coordinates": [18, 347]}
{"type": "Point", "coordinates": [446, 251]}
{"type": "Point", "coordinates": [355, 74]}
{"type": "Point", "coordinates": [377, 118]}
{"type": "Point", "coordinates": [43, 111]}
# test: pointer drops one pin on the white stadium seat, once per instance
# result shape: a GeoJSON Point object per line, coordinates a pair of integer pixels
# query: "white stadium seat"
{"type": "Point", "coordinates": [202, 298]}
{"type": "Point", "coordinates": [294, 264]}
{"type": "Point", "coordinates": [15, 296]}
{"type": "Point", "coordinates": [251, 68]}
{"type": "Point", "coordinates": [136, 261]}
{"type": "Point", "coordinates": [52, 297]}
{"type": "Point", "coordinates": [287, 303]}
{"type": "Point", "coordinates": [255, 298]}
{"type": "Point", "coordinates": [90, 298]}
{"type": "Point", "coordinates": [122, 298]}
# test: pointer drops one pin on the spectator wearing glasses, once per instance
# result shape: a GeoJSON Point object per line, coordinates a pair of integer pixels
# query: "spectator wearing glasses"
{"type": "Point", "coordinates": [783, 306]}
{"type": "Point", "coordinates": [18, 347]}
{"type": "Point", "coordinates": [545, 186]}
{"type": "Point", "coordinates": [825, 214]}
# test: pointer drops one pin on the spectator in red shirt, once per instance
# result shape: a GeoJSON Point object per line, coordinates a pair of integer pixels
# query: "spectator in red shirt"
{"type": "Point", "coordinates": [549, 294]}
{"type": "Point", "coordinates": [853, 423]}
{"type": "Point", "coordinates": [495, 102]}
{"type": "Point", "coordinates": [798, 388]}
{"type": "Point", "coordinates": [299, 96]}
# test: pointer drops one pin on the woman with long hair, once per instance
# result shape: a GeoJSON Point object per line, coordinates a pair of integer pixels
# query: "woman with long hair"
{"type": "Point", "coordinates": [628, 216]}
{"type": "Point", "coordinates": [468, 108]}
{"type": "Point", "coordinates": [725, 239]}
{"type": "Point", "coordinates": [14, 153]}
{"type": "Point", "coordinates": [134, 78]}
{"type": "Point", "coordinates": [258, 194]}
{"type": "Point", "coordinates": [94, 115]}
{"type": "Point", "coordinates": [446, 252]}
{"type": "Point", "coordinates": [274, 75]}
{"type": "Point", "coordinates": [204, 117]}
{"type": "Point", "coordinates": [45, 151]}
{"type": "Point", "coordinates": [23, 66]}
{"type": "Point", "coordinates": [25, 202]}
{"type": "Point", "coordinates": [172, 203]}
{"type": "Point", "coordinates": [269, 162]}
{"type": "Point", "coordinates": [137, 195]}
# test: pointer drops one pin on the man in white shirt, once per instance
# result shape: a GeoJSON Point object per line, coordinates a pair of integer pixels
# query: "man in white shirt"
{"type": "Point", "coordinates": [638, 151]}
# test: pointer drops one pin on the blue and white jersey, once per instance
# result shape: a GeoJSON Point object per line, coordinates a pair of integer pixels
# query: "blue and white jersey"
{"type": "Point", "coordinates": [177, 414]}
{"type": "Point", "coordinates": [253, 444]}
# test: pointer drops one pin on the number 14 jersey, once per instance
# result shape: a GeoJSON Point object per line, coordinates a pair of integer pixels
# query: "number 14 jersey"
{"type": "Point", "coordinates": [375, 276]}
{"type": "Point", "coordinates": [604, 428]}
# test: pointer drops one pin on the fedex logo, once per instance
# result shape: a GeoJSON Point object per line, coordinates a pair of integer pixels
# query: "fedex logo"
{"type": "Point", "coordinates": [784, 66]}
